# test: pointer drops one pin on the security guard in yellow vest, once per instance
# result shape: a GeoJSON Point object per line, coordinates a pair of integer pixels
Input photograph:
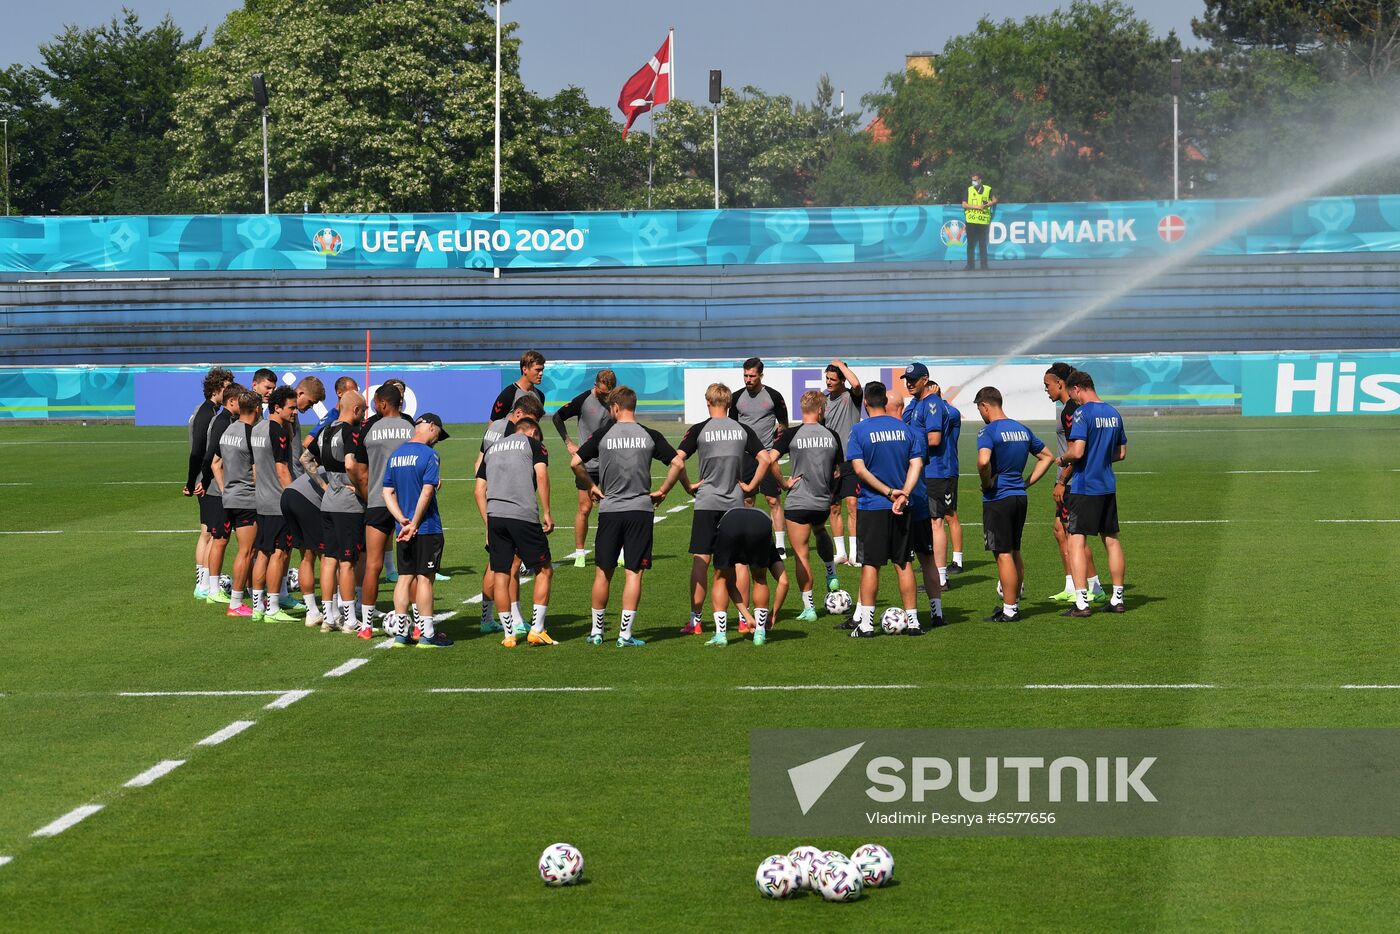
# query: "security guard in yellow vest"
{"type": "Point", "coordinates": [977, 215]}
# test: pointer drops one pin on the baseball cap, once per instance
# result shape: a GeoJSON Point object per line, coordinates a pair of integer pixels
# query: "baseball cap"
{"type": "Point", "coordinates": [915, 371]}
{"type": "Point", "coordinates": [431, 419]}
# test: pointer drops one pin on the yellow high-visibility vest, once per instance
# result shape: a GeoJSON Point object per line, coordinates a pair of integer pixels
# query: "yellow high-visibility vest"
{"type": "Point", "coordinates": [978, 213]}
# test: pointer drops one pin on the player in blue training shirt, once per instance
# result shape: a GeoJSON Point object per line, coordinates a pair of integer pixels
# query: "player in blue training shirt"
{"type": "Point", "coordinates": [1096, 442]}
{"type": "Point", "coordinates": [411, 481]}
{"type": "Point", "coordinates": [1003, 447]}
{"type": "Point", "coordinates": [888, 459]}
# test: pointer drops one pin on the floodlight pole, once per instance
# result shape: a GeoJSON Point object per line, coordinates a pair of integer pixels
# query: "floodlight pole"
{"type": "Point", "coordinates": [7, 166]}
{"type": "Point", "coordinates": [1176, 136]}
{"type": "Point", "coordinates": [496, 270]}
{"type": "Point", "coordinates": [267, 189]}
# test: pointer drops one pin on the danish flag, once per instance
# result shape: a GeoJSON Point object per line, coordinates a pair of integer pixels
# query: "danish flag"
{"type": "Point", "coordinates": [1171, 228]}
{"type": "Point", "coordinates": [649, 87]}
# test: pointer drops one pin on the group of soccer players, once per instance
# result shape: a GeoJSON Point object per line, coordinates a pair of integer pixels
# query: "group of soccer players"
{"type": "Point", "coordinates": [354, 489]}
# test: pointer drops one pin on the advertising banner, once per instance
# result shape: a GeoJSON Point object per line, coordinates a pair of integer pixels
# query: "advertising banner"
{"type": "Point", "coordinates": [1322, 384]}
{"type": "Point", "coordinates": [362, 243]}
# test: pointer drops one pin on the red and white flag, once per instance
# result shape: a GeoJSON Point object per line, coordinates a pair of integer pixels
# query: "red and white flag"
{"type": "Point", "coordinates": [649, 87]}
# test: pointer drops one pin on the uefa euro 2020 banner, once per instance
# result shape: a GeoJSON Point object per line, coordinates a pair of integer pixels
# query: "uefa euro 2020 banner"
{"type": "Point", "coordinates": [916, 233]}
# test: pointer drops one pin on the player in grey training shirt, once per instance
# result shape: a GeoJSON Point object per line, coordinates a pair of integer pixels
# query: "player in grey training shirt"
{"type": "Point", "coordinates": [814, 453]}
{"type": "Point", "coordinates": [591, 410]}
{"type": "Point", "coordinates": [624, 451]}
{"type": "Point", "coordinates": [272, 466]}
{"type": "Point", "coordinates": [763, 409]}
{"type": "Point", "coordinates": [843, 402]}
{"type": "Point", "coordinates": [531, 375]}
{"type": "Point", "coordinates": [723, 446]}
{"type": "Point", "coordinates": [512, 495]}
{"type": "Point", "coordinates": [527, 405]}
{"type": "Point", "coordinates": [381, 437]}
{"type": "Point", "coordinates": [233, 469]}
{"type": "Point", "coordinates": [211, 495]}
{"type": "Point", "coordinates": [341, 452]}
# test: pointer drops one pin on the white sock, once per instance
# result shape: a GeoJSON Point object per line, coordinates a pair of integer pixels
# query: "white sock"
{"type": "Point", "coordinates": [957, 557]}
{"type": "Point", "coordinates": [628, 618]}
{"type": "Point", "coordinates": [488, 611]}
{"type": "Point", "coordinates": [943, 576]}
{"type": "Point", "coordinates": [597, 628]}
{"type": "Point", "coordinates": [851, 551]}
{"type": "Point", "coordinates": [999, 593]}
{"type": "Point", "coordinates": [782, 539]}
{"type": "Point", "coordinates": [1117, 595]}
{"type": "Point", "coordinates": [1081, 599]}
{"type": "Point", "coordinates": [864, 614]}
{"type": "Point", "coordinates": [515, 611]}
{"type": "Point", "coordinates": [235, 600]}
{"type": "Point", "coordinates": [695, 618]}
{"type": "Point", "coordinates": [912, 617]}
{"type": "Point", "coordinates": [258, 597]}
{"type": "Point", "coordinates": [935, 606]}
{"type": "Point", "coordinates": [1094, 585]}
{"type": "Point", "coordinates": [1009, 609]}
{"type": "Point", "coordinates": [507, 623]}
{"type": "Point", "coordinates": [760, 617]}
{"type": "Point", "coordinates": [274, 602]}
{"type": "Point", "coordinates": [366, 616]}
{"type": "Point", "coordinates": [721, 623]}
{"type": "Point", "coordinates": [347, 616]}
{"type": "Point", "coordinates": [840, 547]}
{"type": "Point", "coordinates": [310, 600]}
{"type": "Point", "coordinates": [1069, 583]}
{"type": "Point", "coordinates": [807, 603]}
{"type": "Point", "coordinates": [537, 624]}
{"type": "Point", "coordinates": [201, 578]}
{"type": "Point", "coordinates": [425, 624]}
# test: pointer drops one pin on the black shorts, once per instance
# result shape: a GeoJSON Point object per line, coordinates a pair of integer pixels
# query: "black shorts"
{"type": "Point", "coordinates": [342, 535]}
{"type": "Point", "coordinates": [303, 521]}
{"type": "Point", "coordinates": [380, 518]}
{"type": "Point", "coordinates": [273, 534]}
{"type": "Point", "coordinates": [703, 526]}
{"type": "Point", "coordinates": [1062, 512]}
{"type": "Point", "coordinates": [745, 536]}
{"type": "Point", "coordinates": [768, 486]}
{"type": "Point", "coordinates": [212, 515]}
{"type": "Point", "coordinates": [241, 518]}
{"type": "Point", "coordinates": [920, 536]}
{"type": "Point", "coordinates": [421, 555]}
{"type": "Point", "coordinates": [812, 517]}
{"type": "Point", "coordinates": [593, 480]}
{"type": "Point", "coordinates": [1091, 515]}
{"type": "Point", "coordinates": [1003, 520]}
{"type": "Point", "coordinates": [628, 534]}
{"type": "Point", "coordinates": [847, 485]}
{"type": "Point", "coordinates": [942, 495]}
{"type": "Point", "coordinates": [882, 537]}
{"type": "Point", "coordinates": [508, 539]}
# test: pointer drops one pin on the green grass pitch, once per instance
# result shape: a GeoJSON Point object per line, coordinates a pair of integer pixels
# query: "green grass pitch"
{"type": "Point", "coordinates": [373, 803]}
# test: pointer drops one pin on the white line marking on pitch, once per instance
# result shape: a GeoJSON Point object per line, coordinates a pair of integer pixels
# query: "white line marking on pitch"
{"type": "Point", "coordinates": [5, 859]}
{"type": "Point", "coordinates": [341, 670]}
{"type": "Point", "coordinates": [516, 690]}
{"type": "Point", "coordinates": [198, 693]}
{"type": "Point", "coordinates": [1116, 687]}
{"type": "Point", "coordinates": [681, 508]}
{"type": "Point", "coordinates": [163, 767]}
{"type": "Point", "coordinates": [384, 643]}
{"type": "Point", "coordinates": [826, 687]}
{"type": "Point", "coordinates": [476, 599]}
{"type": "Point", "coordinates": [16, 484]}
{"type": "Point", "coordinates": [67, 820]}
{"type": "Point", "coordinates": [1172, 522]}
{"type": "Point", "coordinates": [228, 732]}
{"type": "Point", "coordinates": [1271, 471]}
{"type": "Point", "coordinates": [34, 532]}
{"type": "Point", "coordinates": [1338, 521]}
{"type": "Point", "coordinates": [1371, 687]}
{"type": "Point", "coordinates": [287, 700]}
{"type": "Point", "coordinates": [657, 520]}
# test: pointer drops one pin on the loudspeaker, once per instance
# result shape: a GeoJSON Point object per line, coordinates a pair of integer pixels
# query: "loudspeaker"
{"type": "Point", "coordinates": [1176, 76]}
{"type": "Point", "coordinates": [259, 90]}
{"type": "Point", "coordinates": [715, 84]}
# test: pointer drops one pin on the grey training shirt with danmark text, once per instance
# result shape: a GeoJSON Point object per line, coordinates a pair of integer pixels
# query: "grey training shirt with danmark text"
{"type": "Point", "coordinates": [625, 451]}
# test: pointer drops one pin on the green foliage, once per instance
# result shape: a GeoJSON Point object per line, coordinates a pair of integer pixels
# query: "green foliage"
{"type": "Point", "coordinates": [88, 125]}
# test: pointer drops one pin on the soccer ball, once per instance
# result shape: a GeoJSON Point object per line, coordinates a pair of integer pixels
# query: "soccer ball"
{"type": "Point", "coordinates": [875, 863]}
{"type": "Point", "coordinates": [838, 602]}
{"type": "Point", "coordinates": [561, 864]}
{"type": "Point", "coordinates": [803, 858]}
{"type": "Point", "coordinates": [893, 621]}
{"type": "Point", "coordinates": [294, 579]}
{"type": "Point", "coordinates": [225, 584]}
{"type": "Point", "coordinates": [777, 877]}
{"type": "Point", "coordinates": [840, 880]}
{"type": "Point", "coordinates": [819, 866]}
{"type": "Point", "coordinates": [397, 624]}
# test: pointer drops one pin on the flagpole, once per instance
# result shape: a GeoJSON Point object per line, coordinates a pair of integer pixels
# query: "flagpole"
{"type": "Point", "coordinates": [672, 59]}
{"type": "Point", "coordinates": [651, 141]}
{"type": "Point", "coordinates": [496, 271]}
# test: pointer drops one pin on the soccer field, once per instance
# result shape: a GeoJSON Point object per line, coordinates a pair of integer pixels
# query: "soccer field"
{"type": "Point", "coordinates": [1261, 568]}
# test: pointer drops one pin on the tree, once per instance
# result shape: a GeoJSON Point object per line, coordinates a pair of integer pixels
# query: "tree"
{"type": "Point", "coordinates": [375, 106]}
{"type": "Point", "coordinates": [1361, 37]}
{"type": "Point", "coordinates": [1068, 106]}
{"type": "Point", "coordinates": [88, 125]}
{"type": "Point", "coordinates": [584, 164]}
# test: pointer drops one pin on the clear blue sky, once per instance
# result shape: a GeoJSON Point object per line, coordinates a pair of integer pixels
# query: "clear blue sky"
{"type": "Point", "coordinates": [782, 47]}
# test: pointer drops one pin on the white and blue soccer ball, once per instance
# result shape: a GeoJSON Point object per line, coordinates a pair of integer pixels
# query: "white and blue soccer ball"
{"type": "Point", "coordinates": [397, 624]}
{"type": "Point", "coordinates": [777, 877]}
{"type": "Point", "coordinates": [803, 857]}
{"type": "Point", "coordinates": [225, 584]}
{"type": "Point", "coordinates": [875, 863]}
{"type": "Point", "coordinates": [894, 622]}
{"type": "Point", "coordinates": [561, 864]}
{"type": "Point", "coordinates": [819, 865]}
{"type": "Point", "coordinates": [839, 880]}
{"type": "Point", "coordinates": [294, 579]}
{"type": "Point", "coordinates": [837, 602]}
